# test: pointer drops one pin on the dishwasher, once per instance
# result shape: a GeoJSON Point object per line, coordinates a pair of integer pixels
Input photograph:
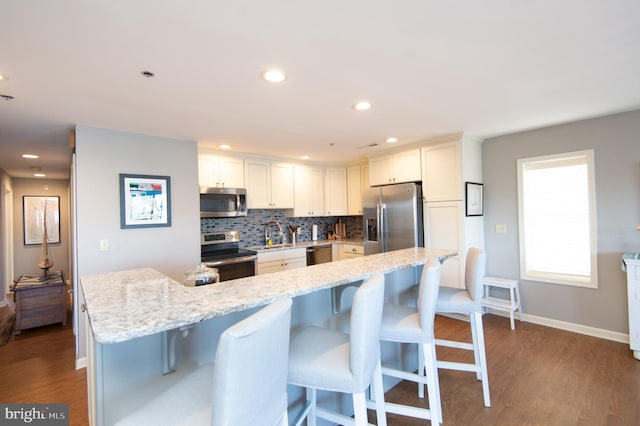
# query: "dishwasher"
{"type": "Point", "coordinates": [318, 254]}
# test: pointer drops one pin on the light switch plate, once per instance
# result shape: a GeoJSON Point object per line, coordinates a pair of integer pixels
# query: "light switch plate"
{"type": "Point", "coordinates": [104, 245]}
{"type": "Point", "coordinates": [501, 228]}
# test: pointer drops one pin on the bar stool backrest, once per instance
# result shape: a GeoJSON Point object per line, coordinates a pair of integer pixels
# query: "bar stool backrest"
{"type": "Point", "coordinates": [366, 316]}
{"type": "Point", "coordinates": [475, 270]}
{"type": "Point", "coordinates": [250, 372]}
{"type": "Point", "coordinates": [428, 297]}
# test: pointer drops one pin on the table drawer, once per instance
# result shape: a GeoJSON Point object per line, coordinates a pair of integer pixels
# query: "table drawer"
{"type": "Point", "coordinates": [41, 316]}
{"type": "Point", "coordinates": [40, 297]}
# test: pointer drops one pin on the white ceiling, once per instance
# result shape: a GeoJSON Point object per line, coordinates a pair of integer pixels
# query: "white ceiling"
{"type": "Point", "coordinates": [429, 68]}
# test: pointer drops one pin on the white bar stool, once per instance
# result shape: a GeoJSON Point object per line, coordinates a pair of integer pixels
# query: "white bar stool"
{"type": "Point", "coordinates": [246, 385]}
{"type": "Point", "coordinates": [320, 358]}
{"type": "Point", "coordinates": [404, 324]}
{"type": "Point", "coordinates": [468, 302]}
{"type": "Point", "coordinates": [511, 305]}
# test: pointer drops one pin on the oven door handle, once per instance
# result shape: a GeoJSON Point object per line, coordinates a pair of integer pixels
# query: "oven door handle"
{"type": "Point", "coordinates": [231, 261]}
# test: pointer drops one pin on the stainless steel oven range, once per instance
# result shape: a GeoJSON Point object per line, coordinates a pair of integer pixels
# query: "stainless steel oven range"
{"type": "Point", "coordinates": [222, 250]}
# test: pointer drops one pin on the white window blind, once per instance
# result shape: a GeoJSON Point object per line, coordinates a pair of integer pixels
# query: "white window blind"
{"type": "Point", "coordinates": [557, 219]}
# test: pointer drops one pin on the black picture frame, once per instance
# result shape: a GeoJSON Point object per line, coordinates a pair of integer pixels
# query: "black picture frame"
{"type": "Point", "coordinates": [33, 215]}
{"type": "Point", "coordinates": [474, 199]}
{"type": "Point", "coordinates": [145, 201]}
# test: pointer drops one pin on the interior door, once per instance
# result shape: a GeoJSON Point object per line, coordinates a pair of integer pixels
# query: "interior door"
{"type": "Point", "coordinates": [7, 239]}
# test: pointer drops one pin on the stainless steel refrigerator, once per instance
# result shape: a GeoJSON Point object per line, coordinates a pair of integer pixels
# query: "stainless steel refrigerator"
{"type": "Point", "coordinates": [392, 217]}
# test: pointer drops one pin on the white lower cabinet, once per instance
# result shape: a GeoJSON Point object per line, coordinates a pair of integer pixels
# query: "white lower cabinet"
{"type": "Point", "coordinates": [281, 260]}
{"type": "Point", "coordinates": [348, 251]}
{"type": "Point", "coordinates": [633, 293]}
{"type": "Point", "coordinates": [443, 229]}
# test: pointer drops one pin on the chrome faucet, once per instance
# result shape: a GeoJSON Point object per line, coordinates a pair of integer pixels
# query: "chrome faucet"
{"type": "Point", "coordinates": [267, 232]}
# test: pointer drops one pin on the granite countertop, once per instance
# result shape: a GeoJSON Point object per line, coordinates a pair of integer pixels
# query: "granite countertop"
{"type": "Point", "coordinates": [124, 305]}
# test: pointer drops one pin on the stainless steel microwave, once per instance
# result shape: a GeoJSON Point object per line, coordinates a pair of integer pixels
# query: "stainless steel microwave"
{"type": "Point", "coordinates": [223, 202]}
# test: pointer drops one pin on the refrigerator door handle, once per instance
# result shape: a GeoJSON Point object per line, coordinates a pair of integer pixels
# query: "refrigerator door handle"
{"type": "Point", "coordinates": [381, 209]}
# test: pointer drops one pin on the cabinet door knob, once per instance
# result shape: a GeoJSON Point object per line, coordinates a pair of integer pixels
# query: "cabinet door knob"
{"type": "Point", "coordinates": [83, 307]}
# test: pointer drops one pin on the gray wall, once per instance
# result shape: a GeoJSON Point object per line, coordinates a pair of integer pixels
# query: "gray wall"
{"type": "Point", "coordinates": [615, 140]}
{"type": "Point", "coordinates": [101, 155]}
{"type": "Point", "coordinates": [26, 257]}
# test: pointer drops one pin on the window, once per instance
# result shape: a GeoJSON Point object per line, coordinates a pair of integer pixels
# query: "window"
{"type": "Point", "coordinates": [556, 209]}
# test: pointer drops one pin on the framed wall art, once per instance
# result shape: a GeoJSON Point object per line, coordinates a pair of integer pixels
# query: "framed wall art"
{"type": "Point", "coordinates": [145, 201]}
{"type": "Point", "coordinates": [474, 196]}
{"type": "Point", "coordinates": [36, 211]}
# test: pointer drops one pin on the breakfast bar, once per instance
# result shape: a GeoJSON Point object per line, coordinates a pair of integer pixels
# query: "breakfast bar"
{"type": "Point", "coordinates": [144, 323]}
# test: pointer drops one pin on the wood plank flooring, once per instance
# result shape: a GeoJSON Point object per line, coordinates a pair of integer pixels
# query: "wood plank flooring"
{"type": "Point", "coordinates": [38, 366]}
{"type": "Point", "coordinates": [538, 376]}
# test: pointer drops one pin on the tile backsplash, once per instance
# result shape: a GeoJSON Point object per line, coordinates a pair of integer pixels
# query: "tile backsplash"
{"type": "Point", "coordinates": [251, 227]}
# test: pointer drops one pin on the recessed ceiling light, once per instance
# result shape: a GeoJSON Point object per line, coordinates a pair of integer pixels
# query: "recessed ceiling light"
{"type": "Point", "coordinates": [304, 157]}
{"type": "Point", "coordinates": [362, 106]}
{"type": "Point", "coordinates": [3, 77]}
{"type": "Point", "coordinates": [224, 146]}
{"type": "Point", "coordinates": [30, 156]}
{"type": "Point", "coordinates": [391, 140]}
{"type": "Point", "coordinates": [39, 174]}
{"type": "Point", "coordinates": [274, 76]}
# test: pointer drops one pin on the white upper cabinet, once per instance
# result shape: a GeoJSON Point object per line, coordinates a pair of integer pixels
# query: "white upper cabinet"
{"type": "Point", "coordinates": [365, 176]}
{"type": "Point", "coordinates": [220, 172]}
{"type": "Point", "coordinates": [269, 184]}
{"type": "Point", "coordinates": [441, 172]}
{"type": "Point", "coordinates": [380, 170]}
{"type": "Point", "coordinates": [308, 191]}
{"type": "Point", "coordinates": [336, 191]}
{"type": "Point", "coordinates": [395, 168]}
{"type": "Point", "coordinates": [354, 189]}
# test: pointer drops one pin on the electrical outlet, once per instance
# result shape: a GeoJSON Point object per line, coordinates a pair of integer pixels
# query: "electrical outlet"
{"type": "Point", "coordinates": [501, 228]}
{"type": "Point", "coordinates": [104, 245]}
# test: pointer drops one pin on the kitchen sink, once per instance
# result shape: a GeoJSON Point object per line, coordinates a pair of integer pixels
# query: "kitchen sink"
{"type": "Point", "coordinates": [274, 246]}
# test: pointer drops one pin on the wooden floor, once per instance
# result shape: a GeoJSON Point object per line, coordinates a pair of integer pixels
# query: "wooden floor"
{"type": "Point", "coordinates": [538, 376]}
{"type": "Point", "coordinates": [38, 366]}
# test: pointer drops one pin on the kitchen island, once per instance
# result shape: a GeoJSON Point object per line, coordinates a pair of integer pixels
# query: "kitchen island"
{"type": "Point", "coordinates": [143, 323]}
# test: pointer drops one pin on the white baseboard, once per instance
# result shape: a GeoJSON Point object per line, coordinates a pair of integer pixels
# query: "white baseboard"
{"type": "Point", "coordinates": [81, 363]}
{"type": "Point", "coordinates": [568, 326]}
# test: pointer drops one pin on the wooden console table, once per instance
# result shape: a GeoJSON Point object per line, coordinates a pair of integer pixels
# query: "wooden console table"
{"type": "Point", "coordinates": [40, 301]}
